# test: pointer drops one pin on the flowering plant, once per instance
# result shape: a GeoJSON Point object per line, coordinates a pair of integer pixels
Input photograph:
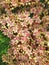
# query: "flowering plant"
{"type": "Point", "coordinates": [26, 23]}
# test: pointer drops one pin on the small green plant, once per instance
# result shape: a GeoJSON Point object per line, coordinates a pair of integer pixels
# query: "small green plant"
{"type": "Point", "coordinates": [4, 45]}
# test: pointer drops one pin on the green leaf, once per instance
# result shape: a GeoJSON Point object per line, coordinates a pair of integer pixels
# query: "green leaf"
{"type": "Point", "coordinates": [4, 45]}
{"type": "Point", "coordinates": [42, 1]}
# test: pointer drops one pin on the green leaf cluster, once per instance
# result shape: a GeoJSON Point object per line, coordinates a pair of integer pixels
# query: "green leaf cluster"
{"type": "Point", "coordinates": [4, 45]}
